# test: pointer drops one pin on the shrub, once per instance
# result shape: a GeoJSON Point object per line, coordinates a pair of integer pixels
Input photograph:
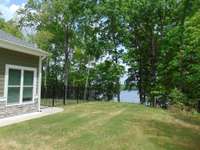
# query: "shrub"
{"type": "Point", "coordinates": [177, 97]}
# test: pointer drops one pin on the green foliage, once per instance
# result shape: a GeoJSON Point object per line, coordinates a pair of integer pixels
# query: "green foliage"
{"type": "Point", "coordinates": [104, 79]}
{"type": "Point", "coordinates": [73, 33]}
{"type": "Point", "coordinates": [163, 50]}
{"type": "Point", "coordinates": [43, 39]}
{"type": "Point", "coordinates": [177, 96]}
{"type": "Point", "coordinates": [158, 40]}
{"type": "Point", "coordinates": [10, 27]}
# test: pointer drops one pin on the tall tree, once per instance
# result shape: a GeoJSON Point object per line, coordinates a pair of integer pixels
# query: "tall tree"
{"type": "Point", "coordinates": [59, 18]}
{"type": "Point", "coordinates": [111, 23]}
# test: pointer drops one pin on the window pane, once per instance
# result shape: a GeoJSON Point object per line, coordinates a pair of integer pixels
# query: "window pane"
{"type": "Point", "coordinates": [27, 94]}
{"type": "Point", "coordinates": [14, 77]}
{"type": "Point", "coordinates": [13, 95]}
{"type": "Point", "coordinates": [28, 77]}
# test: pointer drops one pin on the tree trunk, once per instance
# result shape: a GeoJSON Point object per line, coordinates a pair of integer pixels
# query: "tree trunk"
{"type": "Point", "coordinates": [140, 80]}
{"type": "Point", "coordinates": [114, 38]}
{"type": "Point", "coordinates": [66, 65]}
{"type": "Point", "coordinates": [74, 90]}
{"type": "Point", "coordinates": [181, 47]}
{"type": "Point", "coordinates": [198, 106]}
{"type": "Point", "coordinates": [46, 72]}
{"type": "Point", "coordinates": [140, 74]}
{"type": "Point", "coordinates": [118, 79]}
{"type": "Point", "coordinates": [141, 90]}
{"type": "Point", "coordinates": [153, 65]}
{"type": "Point", "coordinates": [86, 82]}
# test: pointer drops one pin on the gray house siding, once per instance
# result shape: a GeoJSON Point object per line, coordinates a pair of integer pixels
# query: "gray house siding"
{"type": "Point", "coordinates": [20, 59]}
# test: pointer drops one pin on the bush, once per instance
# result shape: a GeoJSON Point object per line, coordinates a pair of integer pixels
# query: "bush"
{"type": "Point", "coordinates": [177, 97]}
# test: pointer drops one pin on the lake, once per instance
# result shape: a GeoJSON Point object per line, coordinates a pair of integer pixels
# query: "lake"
{"type": "Point", "coordinates": [129, 96]}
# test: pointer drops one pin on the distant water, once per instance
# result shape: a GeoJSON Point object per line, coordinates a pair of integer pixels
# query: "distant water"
{"type": "Point", "coordinates": [129, 96]}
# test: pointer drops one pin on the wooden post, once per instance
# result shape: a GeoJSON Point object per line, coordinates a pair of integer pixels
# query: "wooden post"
{"type": "Point", "coordinates": [198, 106]}
{"type": "Point", "coordinates": [77, 94]}
{"type": "Point", "coordinates": [64, 96]}
{"type": "Point", "coordinates": [53, 100]}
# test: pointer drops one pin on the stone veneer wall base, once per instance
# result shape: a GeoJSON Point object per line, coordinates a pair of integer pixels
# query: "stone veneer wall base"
{"type": "Point", "coordinates": [8, 111]}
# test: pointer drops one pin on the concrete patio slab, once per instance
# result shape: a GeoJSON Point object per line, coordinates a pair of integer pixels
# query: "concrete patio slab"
{"type": "Point", "coordinates": [20, 118]}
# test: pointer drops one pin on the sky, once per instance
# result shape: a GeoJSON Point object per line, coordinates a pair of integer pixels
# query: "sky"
{"type": "Point", "coordinates": [8, 8]}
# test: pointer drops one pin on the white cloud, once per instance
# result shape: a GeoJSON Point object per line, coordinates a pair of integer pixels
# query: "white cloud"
{"type": "Point", "coordinates": [8, 11]}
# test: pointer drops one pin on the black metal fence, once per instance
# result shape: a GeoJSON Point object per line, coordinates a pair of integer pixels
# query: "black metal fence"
{"type": "Point", "coordinates": [56, 95]}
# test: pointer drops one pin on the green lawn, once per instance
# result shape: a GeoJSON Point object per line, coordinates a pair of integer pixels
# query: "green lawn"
{"type": "Point", "coordinates": [105, 126]}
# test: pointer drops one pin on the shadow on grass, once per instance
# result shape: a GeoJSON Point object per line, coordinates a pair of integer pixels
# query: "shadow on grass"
{"type": "Point", "coordinates": [189, 118]}
{"type": "Point", "coordinates": [172, 136]}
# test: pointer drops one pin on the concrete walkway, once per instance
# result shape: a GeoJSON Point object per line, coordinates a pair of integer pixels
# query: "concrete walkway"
{"type": "Point", "coordinates": [20, 118]}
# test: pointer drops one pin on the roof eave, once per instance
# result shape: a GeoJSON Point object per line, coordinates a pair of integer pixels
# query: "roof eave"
{"type": "Point", "coordinates": [23, 49]}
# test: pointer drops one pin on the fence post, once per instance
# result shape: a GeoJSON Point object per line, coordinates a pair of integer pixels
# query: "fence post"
{"type": "Point", "coordinates": [198, 106]}
{"type": "Point", "coordinates": [77, 94]}
{"type": "Point", "coordinates": [53, 100]}
{"type": "Point", "coordinates": [64, 95]}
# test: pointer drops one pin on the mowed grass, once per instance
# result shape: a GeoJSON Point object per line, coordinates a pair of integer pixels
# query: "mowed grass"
{"type": "Point", "coordinates": [105, 126]}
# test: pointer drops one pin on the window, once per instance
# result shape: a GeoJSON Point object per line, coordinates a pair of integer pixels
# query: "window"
{"type": "Point", "coordinates": [28, 86]}
{"type": "Point", "coordinates": [14, 84]}
{"type": "Point", "coordinates": [21, 84]}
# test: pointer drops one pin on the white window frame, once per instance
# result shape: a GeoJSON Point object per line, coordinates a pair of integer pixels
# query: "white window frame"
{"type": "Point", "coordinates": [22, 69]}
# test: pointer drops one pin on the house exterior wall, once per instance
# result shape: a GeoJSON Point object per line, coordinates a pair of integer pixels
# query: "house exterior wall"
{"type": "Point", "coordinates": [20, 59]}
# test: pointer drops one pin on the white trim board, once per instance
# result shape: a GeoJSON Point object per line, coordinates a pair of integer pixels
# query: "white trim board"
{"type": "Point", "coordinates": [2, 98]}
{"type": "Point", "coordinates": [21, 48]}
{"type": "Point", "coordinates": [22, 69]}
{"type": "Point", "coordinates": [39, 82]}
